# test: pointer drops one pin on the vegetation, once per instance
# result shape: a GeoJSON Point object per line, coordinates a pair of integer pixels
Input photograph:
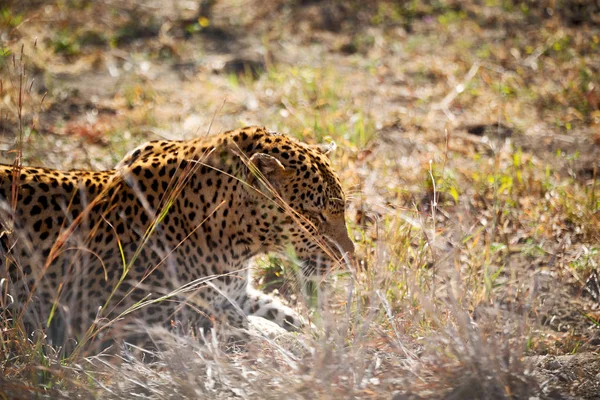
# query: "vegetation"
{"type": "Point", "coordinates": [468, 139]}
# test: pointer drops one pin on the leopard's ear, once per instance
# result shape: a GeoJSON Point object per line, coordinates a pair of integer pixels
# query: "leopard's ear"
{"type": "Point", "coordinates": [325, 149]}
{"type": "Point", "coordinates": [264, 167]}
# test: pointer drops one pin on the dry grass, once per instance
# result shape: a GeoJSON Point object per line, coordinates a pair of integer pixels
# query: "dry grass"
{"type": "Point", "coordinates": [468, 139]}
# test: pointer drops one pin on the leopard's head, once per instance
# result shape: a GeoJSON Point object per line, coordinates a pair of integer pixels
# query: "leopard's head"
{"type": "Point", "coordinates": [301, 200]}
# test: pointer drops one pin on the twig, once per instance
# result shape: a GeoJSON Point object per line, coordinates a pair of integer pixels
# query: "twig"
{"type": "Point", "coordinates": [444, 105]}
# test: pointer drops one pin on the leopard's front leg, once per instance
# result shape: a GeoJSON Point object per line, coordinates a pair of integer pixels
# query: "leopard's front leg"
{"type": "Point", "coordinates": [256, 303]}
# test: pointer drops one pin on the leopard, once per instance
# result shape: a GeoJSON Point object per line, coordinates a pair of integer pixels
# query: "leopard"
{"type": "Point", "coordinates": [167, 236]}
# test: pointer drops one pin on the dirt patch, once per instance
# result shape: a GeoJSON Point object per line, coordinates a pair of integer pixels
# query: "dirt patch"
{"type": "Point", "coordinates": [569, 376]}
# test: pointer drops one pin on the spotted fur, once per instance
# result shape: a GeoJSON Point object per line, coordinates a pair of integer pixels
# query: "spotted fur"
{"type": "Point", "coordinates": [168, 232]}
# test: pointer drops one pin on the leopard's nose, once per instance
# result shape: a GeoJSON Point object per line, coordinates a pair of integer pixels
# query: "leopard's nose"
{"type": "Point", "coordinates": [347, 246]}
{"type": "Point", "coordinates": [342, 241]}
{"type": "Point", "coordinates": [338, 233]}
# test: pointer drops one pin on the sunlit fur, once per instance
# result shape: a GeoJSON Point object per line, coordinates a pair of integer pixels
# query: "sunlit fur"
{"type": "Point", "coordinates": [165, 237]}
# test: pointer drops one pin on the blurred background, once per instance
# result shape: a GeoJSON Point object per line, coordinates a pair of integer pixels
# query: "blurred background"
{"type": "Point", "coordinates": [112, 72]}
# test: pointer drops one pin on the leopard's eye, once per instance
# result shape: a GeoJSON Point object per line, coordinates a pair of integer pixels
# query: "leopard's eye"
{"type": "Point", "coordinates": [337, 204]}
{"type": "Point", "coordinates": [318, 218]}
